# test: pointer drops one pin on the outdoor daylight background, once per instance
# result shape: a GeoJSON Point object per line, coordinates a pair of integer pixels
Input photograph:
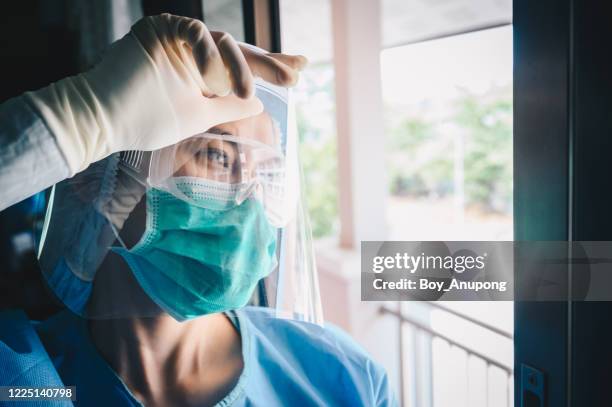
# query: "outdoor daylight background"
{"type": "Point", "coordinates": [447, 138]}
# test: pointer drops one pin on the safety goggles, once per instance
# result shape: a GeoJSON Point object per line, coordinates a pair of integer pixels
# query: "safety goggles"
{"type": "Point", "coordinates": [221, 168]}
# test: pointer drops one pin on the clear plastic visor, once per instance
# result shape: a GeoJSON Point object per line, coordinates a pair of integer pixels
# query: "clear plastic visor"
{"type": "Point", "coordinates": [221, 168]}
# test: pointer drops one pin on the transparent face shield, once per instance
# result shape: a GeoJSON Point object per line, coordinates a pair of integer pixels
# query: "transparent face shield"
{"type": "Point", "coordinates": [207, 225]}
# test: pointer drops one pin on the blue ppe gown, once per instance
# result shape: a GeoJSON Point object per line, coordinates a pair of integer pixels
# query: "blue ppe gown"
{"type": "Point", "coordinates": [30, 159]}
{"type": "Point", "coordinates": [286, 363]}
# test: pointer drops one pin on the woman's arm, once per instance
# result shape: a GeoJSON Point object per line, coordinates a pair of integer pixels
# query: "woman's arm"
{"type": "Point", "coordinates": [167, 79]}
{"type": "Point", "coordinates": [30, 159]}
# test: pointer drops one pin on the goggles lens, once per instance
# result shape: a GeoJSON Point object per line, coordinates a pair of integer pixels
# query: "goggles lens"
{"type": "Point", "coordinates": [217, 169]}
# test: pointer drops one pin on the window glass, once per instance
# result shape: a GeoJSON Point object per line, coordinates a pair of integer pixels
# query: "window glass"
{"type": "Point", "coordinates": [315, 108]}
{"type": "Point", "coordinates": [224, 15]}
{"type": "Point", "coordinates": [448, 119]}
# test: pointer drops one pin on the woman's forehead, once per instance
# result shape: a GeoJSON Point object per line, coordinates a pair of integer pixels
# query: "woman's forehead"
{"type": "Point", "coordinates": [260, 128]}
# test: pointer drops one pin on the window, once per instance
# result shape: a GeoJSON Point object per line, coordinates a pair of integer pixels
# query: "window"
{"type": "Point", "coordinates": [315, 109]}
{"type": "Point", "coordinates": [448, 119]}
{"type": "Point", "coordinates": [224, 15]}
{"type": "Point", "coordinates": [448, 123]}
{"type": "Point", "coordinates": [446, 88]}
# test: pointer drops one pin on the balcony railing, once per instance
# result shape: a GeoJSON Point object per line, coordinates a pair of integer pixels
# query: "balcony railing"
{"type": "Point", "coordinates": [416, 366]}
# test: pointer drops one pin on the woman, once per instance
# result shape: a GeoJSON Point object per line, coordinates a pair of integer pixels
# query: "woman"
{"type": "Point", "coordinates": [156, 254]}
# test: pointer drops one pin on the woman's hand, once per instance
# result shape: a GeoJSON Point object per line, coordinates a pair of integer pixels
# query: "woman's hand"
{"type": "Point", "coordinates": [167, 79]}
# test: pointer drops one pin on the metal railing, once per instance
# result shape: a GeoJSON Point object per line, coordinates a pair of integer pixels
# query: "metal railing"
{"type": "Point", "coordinates": [418, 327]}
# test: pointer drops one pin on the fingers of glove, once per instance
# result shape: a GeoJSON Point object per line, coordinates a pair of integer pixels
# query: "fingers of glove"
{"type": "Point", "coordinates": [298, 62]}
{"type": "Point", "coordinates": [240, 73]}
{"type": "Point", "coordinates": [271, 69]}
{"type": "Point", "coordinates": [206, 55]}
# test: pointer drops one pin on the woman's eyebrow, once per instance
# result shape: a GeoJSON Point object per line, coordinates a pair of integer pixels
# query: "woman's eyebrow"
{"type": "Point", "coordinates": [221, 131]}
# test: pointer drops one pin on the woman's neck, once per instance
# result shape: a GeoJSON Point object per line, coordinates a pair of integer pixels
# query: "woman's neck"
{"type": "Point", "coordinates": [165, 362]}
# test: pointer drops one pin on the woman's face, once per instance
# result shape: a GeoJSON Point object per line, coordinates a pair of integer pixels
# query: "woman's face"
{"type": "Point", "coordinates": [213, 159]}
{"type": "Point", "coordinates": [222, 160]}
{"type": "Point", "coordinates": [202, 157]}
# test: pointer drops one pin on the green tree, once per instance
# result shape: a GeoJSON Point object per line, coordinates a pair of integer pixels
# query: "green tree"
{"type": "Point", "coordinates": [319, 165]}
{"type": "Point", "coordinates": [421, 158]}
{"type": "Point", "coordinates": [410, 173]}
{"type": "Point", "coordinates": [315, 119]}
{"type": "Point", "coordinates": [488, 151]}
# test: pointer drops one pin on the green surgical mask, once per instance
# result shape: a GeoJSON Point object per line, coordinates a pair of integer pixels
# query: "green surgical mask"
{"type": "Point", "coordinates": [194, 261]}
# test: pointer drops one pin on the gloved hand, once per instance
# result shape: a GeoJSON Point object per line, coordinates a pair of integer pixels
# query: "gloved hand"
{"type": "Point", "coordinates": [167, 79]}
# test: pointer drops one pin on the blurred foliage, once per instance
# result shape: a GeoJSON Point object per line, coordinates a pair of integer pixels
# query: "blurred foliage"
{"type": "Point", "coordinates": [319, 166]}
{"type": "Point", "coordinates": [422, 155]}
{"type": "Point", "coordinates": [421, 150]}
{"type": "Point", "coordinates": [410, 134]}
{"type": "Point", "coordinates": [316, 128]}
{"type": "Point", "coordinates": [488, 155]}
{"type": "Point", "coordinates": [415, 168]}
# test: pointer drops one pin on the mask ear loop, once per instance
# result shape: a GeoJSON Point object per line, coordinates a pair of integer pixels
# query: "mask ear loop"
{"type": "Point", "coordinates": [246, 187]}
{"type": "Point", "coordinates": [116, 233]}
{"type": "Point", "coordinates": [135, 164]}
{"type": "Point", "coordinates": [252, 185]}
{"type": "Point", "coordinates": [249, 189]}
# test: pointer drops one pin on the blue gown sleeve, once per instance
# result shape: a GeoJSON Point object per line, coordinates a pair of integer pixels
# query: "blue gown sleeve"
{"type": "Point", "coordinates": [24, 361]}
{"type": "Point", "coordinates": [30, 159]}
{"type": "Point", "coordinates": [379, 393]}
{"type": "Point", "coordinates": [385, 396]}
{"type": "Point", "coordinates": [290, 362]}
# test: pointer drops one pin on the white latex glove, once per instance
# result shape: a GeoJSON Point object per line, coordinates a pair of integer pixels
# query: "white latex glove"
{"type": "Point", "coordinates": [167, 79]}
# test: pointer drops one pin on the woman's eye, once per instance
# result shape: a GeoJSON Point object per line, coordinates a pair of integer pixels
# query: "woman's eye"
{"type": "Point", "coordinates": [217, 157]}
